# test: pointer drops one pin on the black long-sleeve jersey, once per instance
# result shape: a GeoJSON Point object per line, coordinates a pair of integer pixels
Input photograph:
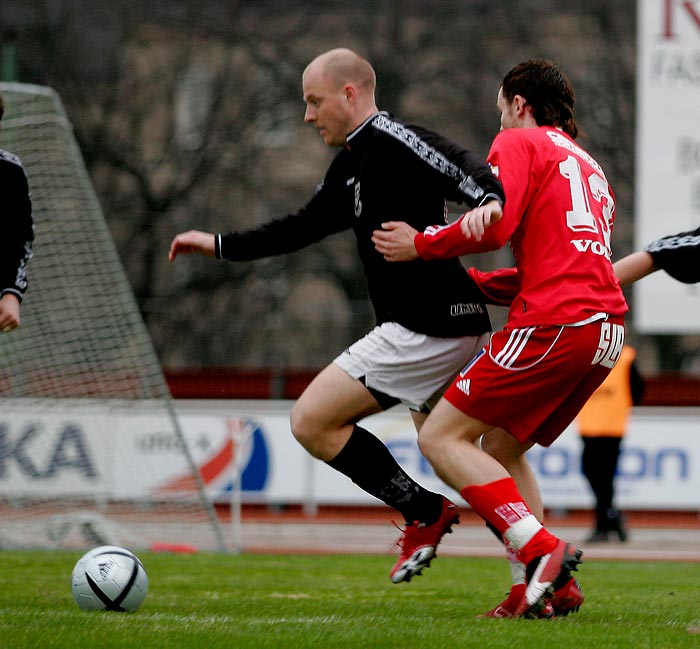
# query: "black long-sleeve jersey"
{"type": "Point", "coordinates": [17, 226]}
{"type": "Point", "coordinates": [390, 172]}
{"type": "Point", "coordinates": [678, 255]}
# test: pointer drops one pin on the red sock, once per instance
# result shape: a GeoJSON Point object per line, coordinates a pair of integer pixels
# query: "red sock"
{"type": "Point", "coordinates": [542, 543]}
{"type": "Point", "coordinates": [499, 503]}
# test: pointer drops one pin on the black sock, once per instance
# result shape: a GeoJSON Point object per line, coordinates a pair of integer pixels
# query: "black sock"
{"type": "Point", "coordinates": [494, 529]}
{"type": "Point", "coordinates": [372, 467]}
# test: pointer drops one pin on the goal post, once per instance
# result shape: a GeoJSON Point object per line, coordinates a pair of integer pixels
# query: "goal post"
{"type": "Point", "coordinates": [91, 450]}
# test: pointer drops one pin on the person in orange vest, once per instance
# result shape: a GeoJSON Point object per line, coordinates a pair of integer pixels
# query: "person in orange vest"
{"type": "Point", "coordinates": [602, 424]}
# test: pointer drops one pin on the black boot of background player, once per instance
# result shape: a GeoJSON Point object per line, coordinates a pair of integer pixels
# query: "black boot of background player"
{"type": "Point", "coordinates": [600, 533]}
{"type": "Point", "coordinates": [598, 536]}
{"type": "Point", "coordinates": [608, 523]}
{"type": "Point", "coordinates": [616, 524]}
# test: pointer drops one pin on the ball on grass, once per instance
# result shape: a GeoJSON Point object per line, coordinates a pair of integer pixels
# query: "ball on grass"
{"type": "Point", "coordinates": [109, 578]}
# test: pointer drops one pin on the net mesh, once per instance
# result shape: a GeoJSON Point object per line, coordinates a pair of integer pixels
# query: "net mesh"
{"type": "Point", "coordinates": [90, 447]}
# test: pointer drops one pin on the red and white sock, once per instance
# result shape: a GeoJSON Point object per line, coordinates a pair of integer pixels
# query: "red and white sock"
{"type": "Point", "coordinates": [501, 504]}
{"type": "Point", "coordinates": [517, 567]}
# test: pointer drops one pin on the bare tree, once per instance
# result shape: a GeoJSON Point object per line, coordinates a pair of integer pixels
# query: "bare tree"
{"type": "Point", "coordinates": [189, 115]}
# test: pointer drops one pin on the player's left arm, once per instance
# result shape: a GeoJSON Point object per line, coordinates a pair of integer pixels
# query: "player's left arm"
{"type": "Point", "coordinates": [489, 225]}
{"type": "Point", "coordinates": [678, 255]}
{"type": "Point", "coordinates": [634, 266]}
{"type": "Point", "coordinates": [482, 229]}
{"type": "Point", "coordinates": [16, 247]}
{"type": "Point", "coordinates": [498, 286]}
{"type": "Point", "coordinates": [461, 176]}
{"type": "Point", "coordinates": [399, 241]}
{"type": "Point", "coordinates": [18, 229]}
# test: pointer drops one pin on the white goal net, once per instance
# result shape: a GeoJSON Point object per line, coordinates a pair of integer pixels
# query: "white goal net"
{"type": "Point", "coordinates": [91, 451]}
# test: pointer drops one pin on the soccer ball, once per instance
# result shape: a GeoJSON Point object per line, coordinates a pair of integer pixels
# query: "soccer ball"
{"type": "Point", "coordinates": [109, 578]}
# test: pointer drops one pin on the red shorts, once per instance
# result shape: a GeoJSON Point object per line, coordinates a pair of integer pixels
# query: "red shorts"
{"type": "Point", "coordinates": [532, 382]}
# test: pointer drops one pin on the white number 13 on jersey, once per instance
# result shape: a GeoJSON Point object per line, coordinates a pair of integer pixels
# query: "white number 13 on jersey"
{"type": "Point", "coordinates": [580, 218]}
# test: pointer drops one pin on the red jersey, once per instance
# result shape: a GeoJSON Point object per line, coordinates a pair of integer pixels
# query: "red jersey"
{"type": "Point", "coordinates": [558, 216]}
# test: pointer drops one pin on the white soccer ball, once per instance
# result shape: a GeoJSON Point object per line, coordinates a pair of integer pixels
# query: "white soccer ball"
{"type": "Point", "coordinates": [109, 578]}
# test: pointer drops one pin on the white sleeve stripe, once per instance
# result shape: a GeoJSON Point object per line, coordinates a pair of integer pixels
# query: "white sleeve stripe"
{"type": "Point", "coordinates": [429, 154]}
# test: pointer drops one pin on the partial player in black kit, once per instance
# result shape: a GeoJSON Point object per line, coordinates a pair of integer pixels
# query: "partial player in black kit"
{"type": "Point", "coordinates": [430, 316]}
{"type": "Point", "coordinates": [17, 237]}
{"type": "Point", "coordinates": [676, 254]}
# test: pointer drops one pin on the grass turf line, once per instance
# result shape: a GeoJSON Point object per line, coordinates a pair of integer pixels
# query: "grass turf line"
{"type": "Point", "coordinates": [256, 601]}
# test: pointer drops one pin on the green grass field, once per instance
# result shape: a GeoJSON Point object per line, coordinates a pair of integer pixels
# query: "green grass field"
{"type": "Point", "coordinates": [208, 601]}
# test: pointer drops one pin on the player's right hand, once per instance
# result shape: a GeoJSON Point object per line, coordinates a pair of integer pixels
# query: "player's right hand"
{"type": "Point", "coordinates": [475, 222]}
{"type": "Point", "coordinates": [395, 241]}
{"type": "Point", "coordinates": [9, 313]}
{"type": "Point", "coordinates": [192, 241]}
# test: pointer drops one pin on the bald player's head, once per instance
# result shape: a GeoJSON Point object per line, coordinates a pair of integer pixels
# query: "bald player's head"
{"type": "Point", "coordinates": [338, 90]}
{"type": "Point", "coordinates": [341, 66]}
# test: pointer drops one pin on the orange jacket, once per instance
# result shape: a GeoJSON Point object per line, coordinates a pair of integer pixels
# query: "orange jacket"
{"type": "Point", "coordinates": [607, 411]}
